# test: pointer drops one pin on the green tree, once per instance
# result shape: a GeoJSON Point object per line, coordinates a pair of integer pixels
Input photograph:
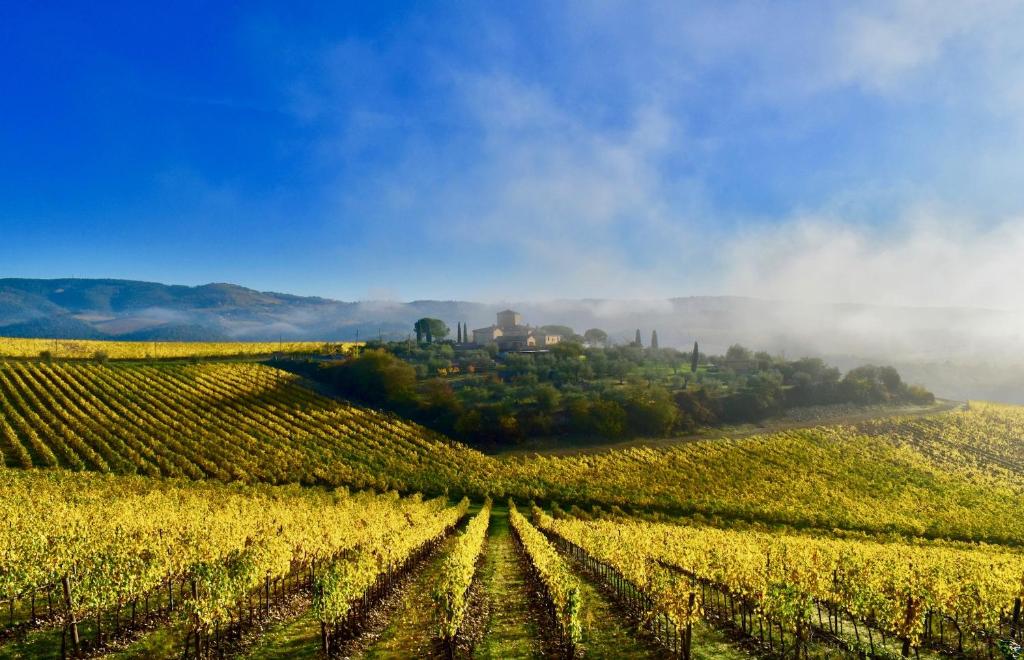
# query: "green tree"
{"type": "Point", "coordinates": [547, 397]}
{"type": "Point", "coordinates": [470, 424]}
{"type": "Point", "coordinates": [919, 395]}
{"type": "Point", "coordinates": [650, 410]}
{"type": "Point", "coordinates": [595, 337]}
{"type": "Point", "coordinates": [607, 419]}
{"type": "Point", "coordinates": [637, 342]}
{"type": "Point", "coordinates": [430, 329]}
{"type": "Point", "coordinates": [696, 407]}
{"type": "Point", "coordinates": [737, 352]}
{"type": "Point", "coordinates": [567, 350]}
{"type": "Point", "coordinates": [578, 411]}
{"type": "Point", "coordinates": [654, 339]}
{"type": "Point", "coordinates": [440, 406]}
{"type": "Point", "coordinates": [565, 331]}
{"type": "Point", "coordinates": [377, 377]}
{"type": "Point", "coordinates": [620, 369]}
{"type": "Point", "coordinates": [694, 358]}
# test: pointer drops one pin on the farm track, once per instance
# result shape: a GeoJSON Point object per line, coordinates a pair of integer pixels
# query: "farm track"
{"type": "Point", "coordinates": [411, 629]}
{"type": "Point", "coordinates": [606, 629]}
{"type": "Point", "coordinates": [512, 630]}
{"type": "Point", "coordinates": [402, 625]}
{"type": "Point", "coordinates": [610, 631]}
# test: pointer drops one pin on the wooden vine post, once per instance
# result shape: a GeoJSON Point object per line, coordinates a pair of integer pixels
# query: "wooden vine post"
{"type": "Point", "coordinates": [72, 623]}
{"type": "Point", "coordinates": [688, 635]}
{"type": "Point", "coordinates": [908, 621]}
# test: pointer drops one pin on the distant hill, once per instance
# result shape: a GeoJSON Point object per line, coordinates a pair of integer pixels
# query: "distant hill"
{"type": "Point", "coordinates": [948, 349]}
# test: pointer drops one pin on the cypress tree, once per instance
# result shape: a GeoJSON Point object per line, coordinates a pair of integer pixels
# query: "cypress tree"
{"type": "Point", "coordinates": [458, 333]}
{"type": "Point", "coordinates": [637, 340]}
{"type": "Point", "coordinates": [654, 338]}
{"type": "Point", "coordinates": [694, 358]}
{"type": "Point", "coordinates": [419, 332]}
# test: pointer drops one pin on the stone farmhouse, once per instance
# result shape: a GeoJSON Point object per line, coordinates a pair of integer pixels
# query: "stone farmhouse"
{"type": "Point", "coordinates": [510, 334]}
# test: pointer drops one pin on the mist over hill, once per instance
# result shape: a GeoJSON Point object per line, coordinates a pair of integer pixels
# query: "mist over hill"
{"type": "Point", "coordinates": [958, 352]}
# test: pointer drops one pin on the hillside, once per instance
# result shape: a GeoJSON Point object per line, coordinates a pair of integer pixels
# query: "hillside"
{"type": "Point", "coordinates": [272, 564]}
{"type": "Point", "coordinates": [227, 421]}
{"type": "Point", "coordinates": [957, 353]}
{"type": "Point", "coordinates": [128, 309]}
{"type": "Point", "coordinates": [256, 423]}
{"type": "Point", "coordinates": [91, 349]}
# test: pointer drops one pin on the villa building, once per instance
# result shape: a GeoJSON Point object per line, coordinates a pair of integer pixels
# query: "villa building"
{"type": "Point", "coordinates": [510, 334]}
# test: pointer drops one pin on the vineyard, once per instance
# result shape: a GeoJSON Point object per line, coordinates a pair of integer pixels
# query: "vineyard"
{"type": "Point", "coordinates": [955, 475]}
{"type": "Point", "coordinates": [862, 597]}
{"type": "Point", "coordinates": [221, 508]}
{"type": "Point", "coordinates": [11, 347]}
{"type": "Point", "coordinates": [96, 548]}
{"type": "Point", "coordinates": [226, 421]}
{"type": "Point", "coordinates": [93, 562]}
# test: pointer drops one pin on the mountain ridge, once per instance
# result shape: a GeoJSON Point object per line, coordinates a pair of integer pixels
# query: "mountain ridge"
{"type": "Point", "coordinates": [929, 344]}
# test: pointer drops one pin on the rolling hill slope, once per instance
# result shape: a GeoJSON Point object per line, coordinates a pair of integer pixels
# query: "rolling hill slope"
{"type": "Point", "coordinates": [955, 352]}
{"type": "Point", "coordinates": [226, 421]}
{"type": "Point", "coordinates": [256, 423]}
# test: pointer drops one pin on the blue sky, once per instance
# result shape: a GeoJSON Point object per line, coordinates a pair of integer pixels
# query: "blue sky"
{"type": "Point", "coordinates": [824, 151]}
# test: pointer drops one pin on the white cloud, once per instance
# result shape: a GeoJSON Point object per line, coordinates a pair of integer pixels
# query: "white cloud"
{"type": "Point", "coordinates": [883, 45]}
{"type": "Point", "coordinates": [583, 200]}
{"type": "Point", "coordinates": [923, 260]}
{"type": "Point", "coordinates": [571, 189]}
{"type": "Point", "coordinates": [577, 204]}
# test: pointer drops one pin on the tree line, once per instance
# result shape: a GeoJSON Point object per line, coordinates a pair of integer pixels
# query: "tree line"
{"type": "Point", "coordinates": [493, 399]}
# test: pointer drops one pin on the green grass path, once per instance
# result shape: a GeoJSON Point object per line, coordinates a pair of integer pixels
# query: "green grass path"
{"type": "Point", "coordinates": [407, 632]}
{"type": "Point", "coordinates": [709, 643]}
{"type": "Point", "coordinates": [511, 631]}
{"type": "Point", "coordinates": [163, 642]}
{"type": "Point", "coordinates": [609, 633]}
{"type": "Point", "coordinates": [606, 633]}
{"type": "Point", "coordinates": [411, 628]}
{"type": "Point", "coordinates": [297, 638]}
{"type": "Point", "coordinates": [36, 644]}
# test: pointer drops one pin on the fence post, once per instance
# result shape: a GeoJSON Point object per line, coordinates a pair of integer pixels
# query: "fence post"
{"type": "Point", "coordinates": [72, 622]}
{"type": "Point", "coordinates": [908, 619]}
{"type": "Point", "coordinates": [689, 627]}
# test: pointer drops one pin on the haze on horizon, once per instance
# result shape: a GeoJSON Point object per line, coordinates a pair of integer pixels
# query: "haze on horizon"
{"type": "Point", "coordinates": [817, 152]}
